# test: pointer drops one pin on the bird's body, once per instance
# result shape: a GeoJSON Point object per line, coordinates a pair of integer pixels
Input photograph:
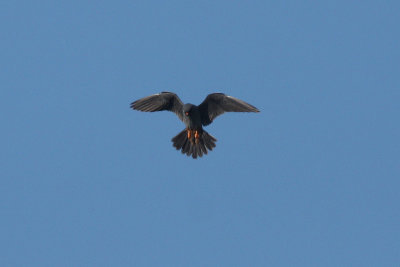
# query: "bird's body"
{"type": "Point", "coordinates": [194, 140]}
{"type": "Point", "coordinates": [193, 121]}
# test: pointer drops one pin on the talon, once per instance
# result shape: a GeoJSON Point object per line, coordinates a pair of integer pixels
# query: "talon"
{"type": "Point", "coordinates": [196, 136]}
{"type": "Point", "coordinates": [189, 134]}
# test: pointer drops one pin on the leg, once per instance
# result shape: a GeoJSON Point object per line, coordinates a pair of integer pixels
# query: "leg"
{"type": "Point", "coordinates": [197, 136]}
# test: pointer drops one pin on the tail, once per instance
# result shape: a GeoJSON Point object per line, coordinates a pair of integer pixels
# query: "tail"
{"type": "Point", "coordinates": [194, 146]}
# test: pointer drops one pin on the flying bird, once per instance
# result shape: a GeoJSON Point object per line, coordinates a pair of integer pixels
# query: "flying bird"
{"type": "Point", "coordinates": [193, 140]}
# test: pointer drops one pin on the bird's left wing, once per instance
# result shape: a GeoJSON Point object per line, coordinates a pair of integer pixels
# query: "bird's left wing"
{"type": "Point", "coordinates": [218, 103]}
{"type": "Point", "coordinates": [162, 101]}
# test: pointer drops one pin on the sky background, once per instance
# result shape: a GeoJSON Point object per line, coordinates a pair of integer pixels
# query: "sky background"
{"type": "Point", "coordinates": [311, 180]}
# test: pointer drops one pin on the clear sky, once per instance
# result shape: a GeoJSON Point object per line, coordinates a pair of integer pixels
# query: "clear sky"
{"type": "Point", "coordinates": [312, 180]}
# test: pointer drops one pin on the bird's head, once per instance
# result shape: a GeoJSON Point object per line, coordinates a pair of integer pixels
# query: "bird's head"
{"type": "Point", "coordinates": [187, 108]}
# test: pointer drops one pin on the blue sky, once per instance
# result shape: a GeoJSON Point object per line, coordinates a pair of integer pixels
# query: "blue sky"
{"type": "Point", "coordinates": [312, 180]}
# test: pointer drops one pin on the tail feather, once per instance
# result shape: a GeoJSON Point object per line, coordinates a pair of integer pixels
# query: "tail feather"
{"type": "Point", "coordinates": [192, 148]}
{"type": "Point", "coordinates": [180, 141]}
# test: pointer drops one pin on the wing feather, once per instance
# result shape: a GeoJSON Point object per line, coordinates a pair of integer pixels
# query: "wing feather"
{"type": "Point", "coordinates": [158, 102]}
{"type": "Point", "coordinates": [219, 103]}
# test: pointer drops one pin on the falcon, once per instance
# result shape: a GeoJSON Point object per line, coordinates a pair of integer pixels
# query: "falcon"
{"type": "Point", "coordinates": [193, 140]}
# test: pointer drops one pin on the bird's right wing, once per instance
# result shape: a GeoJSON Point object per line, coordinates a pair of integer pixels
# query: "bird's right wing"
{"type": "Point", "coordinates": [162, 101]}
{"type": "Point", "coordinates": [219, 103]}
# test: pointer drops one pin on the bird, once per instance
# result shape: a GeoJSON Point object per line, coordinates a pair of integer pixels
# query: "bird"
{"type": "Point", "coordinates": [193, 140]}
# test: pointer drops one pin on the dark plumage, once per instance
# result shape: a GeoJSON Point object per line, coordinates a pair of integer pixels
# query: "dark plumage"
{"type": "Point", "coordinates": [194, 140]}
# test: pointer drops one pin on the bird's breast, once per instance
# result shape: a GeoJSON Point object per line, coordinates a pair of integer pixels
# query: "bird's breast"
{"type": "Point", "coordinates": [193, 121]}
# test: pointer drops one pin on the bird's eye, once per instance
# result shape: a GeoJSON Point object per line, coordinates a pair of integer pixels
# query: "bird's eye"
{"type": "Point", "coordinates": [187, 113]}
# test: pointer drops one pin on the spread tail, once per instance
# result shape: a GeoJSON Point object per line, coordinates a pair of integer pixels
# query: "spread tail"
{"type": "Point", "coordinates": [194, 143]}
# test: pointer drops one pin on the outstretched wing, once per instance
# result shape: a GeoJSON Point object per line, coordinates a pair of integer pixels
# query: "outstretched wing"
{"type": "Point", "coordinates": [162, 101]}
{"type": "Point", "coordinates": [218, 103]}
